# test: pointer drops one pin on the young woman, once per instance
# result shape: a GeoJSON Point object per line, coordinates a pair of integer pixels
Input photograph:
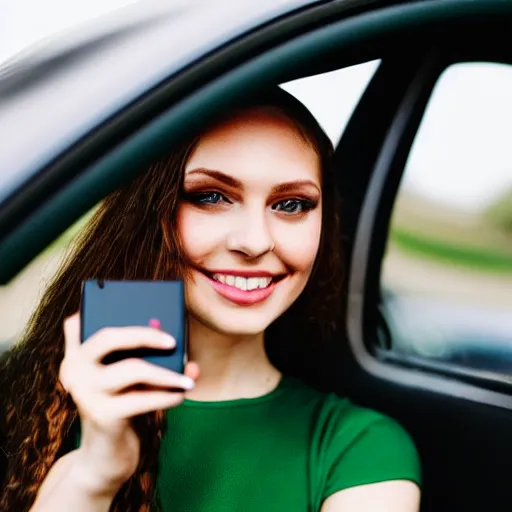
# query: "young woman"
{"type": "Point", "coordinates": [245, 213]}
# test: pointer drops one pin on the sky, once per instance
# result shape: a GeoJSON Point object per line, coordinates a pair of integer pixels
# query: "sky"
{"type": "Point", "coordinates": [462, 155]}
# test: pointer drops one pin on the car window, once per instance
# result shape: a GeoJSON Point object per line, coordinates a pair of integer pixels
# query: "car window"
{"type": "Point", "coordinates": [447, 274]}
{"type": "Point", "coordinates": [330, 96]}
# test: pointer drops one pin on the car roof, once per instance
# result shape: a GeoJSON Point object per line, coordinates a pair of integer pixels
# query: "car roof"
{"type": "Point", "coordinates": [55, 93]}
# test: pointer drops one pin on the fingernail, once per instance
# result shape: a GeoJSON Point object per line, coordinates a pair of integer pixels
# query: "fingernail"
{"type": "Point", "coordinates": [169, 342]}
{"type": "Point", "coordinates": [187, 383]}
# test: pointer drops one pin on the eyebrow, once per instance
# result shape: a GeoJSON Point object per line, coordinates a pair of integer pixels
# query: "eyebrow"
{"type": "Point", "coordinates": [220, 176]}
{"type": "Point", "coordinates": [233, 182]}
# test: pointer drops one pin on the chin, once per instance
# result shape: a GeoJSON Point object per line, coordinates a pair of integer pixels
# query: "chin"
{"type": "Point", "coordinates": [234, 323]}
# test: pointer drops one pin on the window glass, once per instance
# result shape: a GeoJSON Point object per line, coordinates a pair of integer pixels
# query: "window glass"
{"type": "Point", "coordinates": [19, 298]}
{"type": "Point", "coordinates": [447, 273]}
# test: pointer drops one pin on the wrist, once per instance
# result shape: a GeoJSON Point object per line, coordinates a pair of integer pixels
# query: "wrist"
{"type": "Point", "coordinates": [90, 482]}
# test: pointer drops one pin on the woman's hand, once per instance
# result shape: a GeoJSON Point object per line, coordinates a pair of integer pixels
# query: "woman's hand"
{"type": "Point", "coordinates": [109, 396]}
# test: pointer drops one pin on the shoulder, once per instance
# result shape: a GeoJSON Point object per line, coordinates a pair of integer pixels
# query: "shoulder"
{"type": "Point", "coordinates": [366, 446]}
{"type": "Point", "coordinates": [339, 417]}
{"type": "Point", "coordinates": [354, 445]}
{"type": "Point", "coordinates": [355, 425]}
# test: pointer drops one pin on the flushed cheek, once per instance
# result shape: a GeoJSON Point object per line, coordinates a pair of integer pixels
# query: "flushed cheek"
{"type": "Point", "coordinates": [198, 234]}
{"type": "Point", "coordinates": [298, 246]}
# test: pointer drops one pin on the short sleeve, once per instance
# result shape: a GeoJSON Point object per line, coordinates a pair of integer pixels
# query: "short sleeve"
{"type": "Point", "coordinates": [380, 451]}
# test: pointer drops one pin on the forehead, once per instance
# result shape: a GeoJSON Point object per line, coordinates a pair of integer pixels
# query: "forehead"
{"type": "Point", "coordinates": [257, 143]}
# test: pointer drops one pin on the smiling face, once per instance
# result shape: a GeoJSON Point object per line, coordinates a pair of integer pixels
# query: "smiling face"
{"type": "Point", "coordinates": [249, 222]}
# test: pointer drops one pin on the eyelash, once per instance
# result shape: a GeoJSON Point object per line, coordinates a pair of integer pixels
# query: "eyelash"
{"type": "Point", "coordinates": [305, 205]}
{"type": "Point", "coordinates": [202, 198]}
{"type": "Point", "coordinates": [205, 199]}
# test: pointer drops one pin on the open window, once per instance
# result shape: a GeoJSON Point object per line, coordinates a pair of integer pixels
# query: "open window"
{"type": "Point", "coordinates": [447, 274]}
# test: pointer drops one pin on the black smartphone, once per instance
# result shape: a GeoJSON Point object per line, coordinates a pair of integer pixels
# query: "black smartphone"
{"type": "Point", "coordinates": [137, 303]}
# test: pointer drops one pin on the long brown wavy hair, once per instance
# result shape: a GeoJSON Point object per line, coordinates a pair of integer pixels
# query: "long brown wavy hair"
{"type": "Point", "coordinates": [132, 236]}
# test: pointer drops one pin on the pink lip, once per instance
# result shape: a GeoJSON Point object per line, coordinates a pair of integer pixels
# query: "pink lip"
{"type": "Point", "coordinates": [241, 297]}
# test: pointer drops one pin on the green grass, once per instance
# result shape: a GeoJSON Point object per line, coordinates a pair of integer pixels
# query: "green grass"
{"type": "Point", "coordinates": [487, 259]}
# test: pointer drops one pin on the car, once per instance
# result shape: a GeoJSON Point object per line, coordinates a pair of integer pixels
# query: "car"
{"type": "Point", "coordinates": [86, 111]}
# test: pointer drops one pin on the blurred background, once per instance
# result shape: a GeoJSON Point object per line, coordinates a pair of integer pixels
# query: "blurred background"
{"type": "Point", "coordinates": [24, 23]}
{"type": "Point", "coordinates": [447, 275]}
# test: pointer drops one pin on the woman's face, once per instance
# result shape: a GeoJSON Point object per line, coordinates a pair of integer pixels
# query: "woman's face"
{"type": "Point", "coordinates": [250, 221]}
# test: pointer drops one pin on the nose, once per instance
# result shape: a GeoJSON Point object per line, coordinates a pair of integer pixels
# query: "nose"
{"type": "Point", "coordinates": [251, 235]}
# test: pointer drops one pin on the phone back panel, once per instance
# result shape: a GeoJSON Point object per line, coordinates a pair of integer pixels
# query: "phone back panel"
{"type": "Point", "coordinates": [135, 303]}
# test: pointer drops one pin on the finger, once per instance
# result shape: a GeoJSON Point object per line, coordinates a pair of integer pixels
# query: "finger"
{"type": "Point", "coordinates": [192, 370]}
{"type": "Point", "coordinates": [141, 402]}
{"type": "Point", "coordinates": [71, 332]}
{"type": "Point", "coordinates": [71, 328]}
{"type": "Point", "coordinates": [130, 372]}
{"type": "Point", "coordinates": [112, 339]}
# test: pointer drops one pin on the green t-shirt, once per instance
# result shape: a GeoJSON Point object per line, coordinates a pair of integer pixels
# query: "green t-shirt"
{"type": "Point", "coordinates": [285, 451]}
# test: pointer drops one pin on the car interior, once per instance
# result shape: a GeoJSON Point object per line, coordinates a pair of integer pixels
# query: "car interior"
{"type": "Point", "coordinates": [457, 407]}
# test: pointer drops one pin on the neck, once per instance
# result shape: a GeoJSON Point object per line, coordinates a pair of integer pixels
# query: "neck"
{"type": "Point", "coordinates": [231, 366]}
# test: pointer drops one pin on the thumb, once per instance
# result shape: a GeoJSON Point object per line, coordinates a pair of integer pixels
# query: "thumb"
{"type": "Point", "coordinates": [71, 333]}
{"type": "Point", "coordinates": [192, 370]}
{"type": "Point", "coordinates": [71, 345]}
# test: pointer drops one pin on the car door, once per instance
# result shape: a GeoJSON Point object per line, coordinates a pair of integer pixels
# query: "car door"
{"type": "Point", "coordinates": [61, 162]}
{"type": "Point", "coordinates": [429, 292]}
